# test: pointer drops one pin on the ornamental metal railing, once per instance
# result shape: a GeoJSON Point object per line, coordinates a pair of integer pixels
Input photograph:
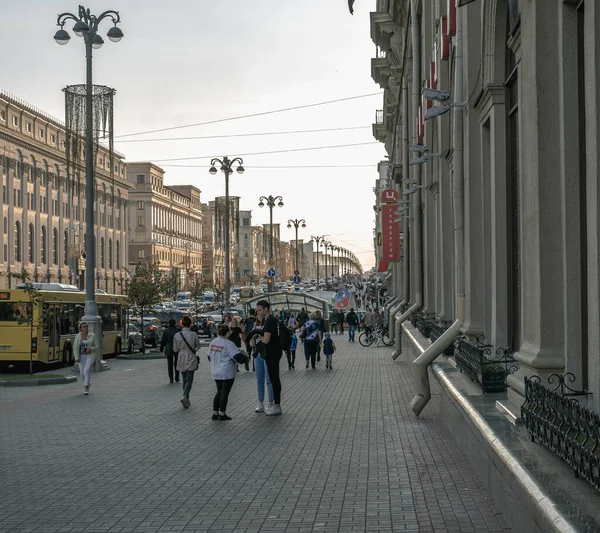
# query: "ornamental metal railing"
{"type": "Point", "coordinates": [555, 418]}
{"type": "Point", "coordinates": [475, 359]}
{"type": "Point", "coordinates": [437, 330]}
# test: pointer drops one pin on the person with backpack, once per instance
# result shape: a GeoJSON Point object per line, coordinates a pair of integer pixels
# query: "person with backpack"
{"type": "Point", "coordinates": [312, 336]}
{"type": "Point", "coordinates": [328, 349]}
{"type": "Point", "coordinates": [185, 344]}
{"type": "Point", "coordinates": [352, 320]}
{"type": "Point", "coordinates": [290, 353]}
{"type": "Point", "coordinates": [269, 336]}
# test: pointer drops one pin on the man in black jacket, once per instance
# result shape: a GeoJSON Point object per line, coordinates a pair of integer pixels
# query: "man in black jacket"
{"type": "Point", "coordinates": [166, 345]}
{"type": "Point", "coordinates": [352, 321]}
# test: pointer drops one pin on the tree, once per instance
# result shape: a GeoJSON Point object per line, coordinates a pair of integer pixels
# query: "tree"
{"type": "Point", "coordinates": [146, 287]}
{"type": "Point", "coordinates": [196, 294]}
{"type": "Point", "coordinates": [33, 314]}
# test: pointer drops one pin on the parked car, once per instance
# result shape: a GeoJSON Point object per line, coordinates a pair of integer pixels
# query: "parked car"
{"type": "Point", "coordinates": [135, 340]}
{"type": "Point", "coordinates": [206, 325]}
{"type": "Point", "coordinates": [153, 330]}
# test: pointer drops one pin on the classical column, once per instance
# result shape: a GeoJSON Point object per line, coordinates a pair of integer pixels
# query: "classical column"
{"type": "Point", "coordinates": [542, 349]}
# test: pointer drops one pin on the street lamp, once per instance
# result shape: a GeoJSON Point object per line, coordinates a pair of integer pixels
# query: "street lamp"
{"type": "Point", "coordinates": [226, 168]}
{"type": "Point", "coordinates": [86, 26]}
{"type": "Point", "coordinates": [297, 224]}
{"type": "Point", "coordinates": [271, 203]}
{"type": "Point", "coordinates": [318, 239]}
{"type": "Point", "coordinates": [325, 245]}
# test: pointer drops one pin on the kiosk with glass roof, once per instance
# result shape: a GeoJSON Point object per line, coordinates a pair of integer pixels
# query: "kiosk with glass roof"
{"type": "Point", "coordinates": [290, 302]}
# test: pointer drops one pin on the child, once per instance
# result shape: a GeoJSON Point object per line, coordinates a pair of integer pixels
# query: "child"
{"type": "Point", "coordinates": [328, 349]}
{"type": "Point", "coordinates": [291, 353]}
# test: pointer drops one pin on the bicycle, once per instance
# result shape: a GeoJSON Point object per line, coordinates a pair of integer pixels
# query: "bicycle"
{"type": "Point", "coordinates": [379, 337]}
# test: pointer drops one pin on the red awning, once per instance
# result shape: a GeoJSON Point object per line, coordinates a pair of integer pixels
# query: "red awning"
{"type": "Point", "coordinates": [383, 266]}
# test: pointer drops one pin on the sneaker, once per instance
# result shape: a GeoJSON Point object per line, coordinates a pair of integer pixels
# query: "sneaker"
{"type": "Point", "coordinates": [86, 391]}
{"type": "Point", "coordinates": [185, 402]}
{"type": "Point", "coordinates": [306, 364]}
{"type": "Point", "coordinates": [274, 411]}
{"type": "Point", "coordinates": [326, 365]}
{"type": "Point", "coordinates": [215, 417]}
{"type": "Point", "coordinates": [224, 417]}
{"type": "Point", "coordinates": [260, 408]}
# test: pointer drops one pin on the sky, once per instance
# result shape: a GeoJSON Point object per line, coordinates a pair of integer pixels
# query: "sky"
{"type": "Point", "coordinates": [190, 61]}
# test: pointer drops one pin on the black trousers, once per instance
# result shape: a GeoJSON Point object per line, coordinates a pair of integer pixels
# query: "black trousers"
{"type": "Point", "coordinates": [172, 365]}
{"type": "Point", "coordinates": [291, 357]}
{"type": "Point", "coordinates": [341, 327]}
{"type": "Point", "coordinates": [310, 351]}
{"type": "Point", "coordinates": [222, 396]}
{"type": "Point", "coordinates": [273, 370]}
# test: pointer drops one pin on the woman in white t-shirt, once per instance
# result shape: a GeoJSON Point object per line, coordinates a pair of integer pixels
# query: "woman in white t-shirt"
{"type": "Point", "coordinates": [223, 355]}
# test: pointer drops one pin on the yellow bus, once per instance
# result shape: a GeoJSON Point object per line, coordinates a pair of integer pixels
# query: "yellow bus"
{"type": "Point", "coordinates": [55, 321]}
{"type": "Point", "coordinates": [246, 293]}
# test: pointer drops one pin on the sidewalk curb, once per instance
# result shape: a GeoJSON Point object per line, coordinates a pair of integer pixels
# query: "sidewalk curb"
{"type": "Point", "coordinates": [142, 357]}
{"type": "Point", "coordinates": [530, 494]}
{"type": "Point", "coordinates": [38, 381]}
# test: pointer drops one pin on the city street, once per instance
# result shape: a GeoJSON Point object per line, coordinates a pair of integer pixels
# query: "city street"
{"type": "Point", "coordinates": [347, 455]}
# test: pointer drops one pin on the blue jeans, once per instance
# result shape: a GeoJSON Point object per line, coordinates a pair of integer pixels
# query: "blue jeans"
{"type": "Point", "coordinates": [351, 330]}
{"type": "Point", "coordinates": [262, 375]}
{"type": "Point", "coordinates": [188, 379]}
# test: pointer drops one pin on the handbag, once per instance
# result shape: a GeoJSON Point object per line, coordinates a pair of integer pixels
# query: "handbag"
{"type": "Point", "coordinates": [188, 345]}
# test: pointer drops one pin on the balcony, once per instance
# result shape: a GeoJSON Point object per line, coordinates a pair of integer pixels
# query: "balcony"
{"type": "Point", "coordinates": [380, 68]}
{"type": "Point", "coordinates": [382, 24]}
{"type": "Point", "coordinates": [379, 130]}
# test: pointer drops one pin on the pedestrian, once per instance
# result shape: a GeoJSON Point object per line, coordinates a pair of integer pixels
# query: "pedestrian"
{"type": "Point", "coordinates": [259, 352]}
{"type": "Point", "coordinates": [328, 349]}
{"type": "Point", "coordinates": [302, 317]}
{"type": "Point", "coordinates": [352, 320]}
{"type": "Point", "coordinates": [340, 318]}
{"type": "Point", "coordinates": [166, 345]}
{"type": "Point", "coordinates": [322, 327]}
{"type": "Point", "coordinates": [292, 323]}
{"type": "Point", "coordinates": [369, 321]}
{"type": "Point", "coordinates": [333, 321]}
{"type": "Point", "coordinates": [249, 323]}
{"type": "Point", "coordinates": [291, 353]}
{"type": "Point", "coordinates": [85, 349]}
{"type": "Point", "coordinates": [224, 357]}
{"type": "Point", "coordinates": [186, 343]}
{"type": "Point", "coordinates": [312, 339]}
{"type": "Point", "coordinates": [270, 336]}
{"type": "Point", "coordinates": [235, 332]}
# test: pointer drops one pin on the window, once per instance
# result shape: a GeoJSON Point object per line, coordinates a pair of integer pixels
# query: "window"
{"type": "Point", "coordinates": [31, 244]}
{"type": "Point", "coordinates": [66, 248]}
{"type": "Point", "coordinates": [53, 138]}
{"type": "Point", "coordinates": [140, 221]}
{"type": "Point", "coordinates": [15, 122]}
{"type": "Point", "coordinates": [18, 242]}
{"type": "Point", "coordinates": [28, 127]}
{"type": "Point", "coordinates": [5, 227]}
{"type": "Point", "coordinates": [43, 248]}
{"type": "Point", "coordinates": [55, 246]}
{"type": "Point", "coordinates": [140, 254]}
{"type": "Point", "coordinates": [140, 204]}
{"type": "Point", "coordinates": [3, 115]}
{"type": "Point", "coordinates": [42, 133]}
{"type": "Point", "coordinates": [110, 253]}
{"type": "Point", "coordinates": [118, 255]}
{"type": "Point", "coordinates": [141, 178]}
{"type": "Point", "coordinates": [102, 252]}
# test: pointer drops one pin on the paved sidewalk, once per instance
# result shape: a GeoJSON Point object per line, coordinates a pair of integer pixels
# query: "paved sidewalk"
{"type": "Point", "coordinates": [347, 455]}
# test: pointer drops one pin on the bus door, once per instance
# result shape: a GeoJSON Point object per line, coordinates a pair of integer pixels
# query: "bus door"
{"type": "Point", "coordinates": [53, 325]}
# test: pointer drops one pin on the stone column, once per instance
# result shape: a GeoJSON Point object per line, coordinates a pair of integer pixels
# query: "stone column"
{"type": "Point", "coordinates": [542, 275]}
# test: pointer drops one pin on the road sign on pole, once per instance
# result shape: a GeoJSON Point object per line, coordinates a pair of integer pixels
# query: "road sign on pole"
{"type": "Point", "coordinates": [271, 262]}
{"type": "Point", "coordinates": [271, 273]}
{"type": "Point", "coordinates": [297, 279]}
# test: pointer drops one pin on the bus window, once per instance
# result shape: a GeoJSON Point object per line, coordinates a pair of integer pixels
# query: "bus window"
{"type": "Point", "coordinates": [14, 311]}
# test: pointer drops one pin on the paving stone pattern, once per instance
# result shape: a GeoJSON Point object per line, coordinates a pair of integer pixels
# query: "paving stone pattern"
{"type": "Point", "coordinates": [347, 455]}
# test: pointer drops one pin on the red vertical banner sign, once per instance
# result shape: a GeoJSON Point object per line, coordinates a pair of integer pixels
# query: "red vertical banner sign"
{"type": "Point", "coordinates": [390, 233]}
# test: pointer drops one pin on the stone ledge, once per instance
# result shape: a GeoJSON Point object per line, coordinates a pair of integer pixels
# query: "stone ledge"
{"type": "Point", "coordinates": [37, 381]}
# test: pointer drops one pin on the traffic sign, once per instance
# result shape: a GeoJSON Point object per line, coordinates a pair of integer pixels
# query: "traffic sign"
{"type": "Point", "coordinates": [296, 279]}
{"type": "Point", "coordinates": [296, 272]}
{"type": "Point", "coordinates": [271, 262]}
{"type": "Point", "coordinates": [271, 272]}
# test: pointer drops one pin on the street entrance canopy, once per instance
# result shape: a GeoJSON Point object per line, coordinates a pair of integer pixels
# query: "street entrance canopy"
{"type": "Point", "coordinates": [291, 302]}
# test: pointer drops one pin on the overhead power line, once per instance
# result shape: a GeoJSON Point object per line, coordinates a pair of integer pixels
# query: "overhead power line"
{"type": "Point", "coordinates": [247, 167]}
{"type": "Point", "coordinates": [269, 152]}
{"type": "Point", "coordinates": [242, 135]}
{"type": "Point", "coordinates": [263, 113]}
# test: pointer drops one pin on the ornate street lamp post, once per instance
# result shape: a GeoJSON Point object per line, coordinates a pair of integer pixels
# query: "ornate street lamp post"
{"type": "Point", "coordinates": [86, 26]}
{"type": "Point", "coordinates": [326, 245]}
{"type": "Point", "coordinates": [301, 223]}
{"type": "Point", "coordinates": [318, 239]}
{"type": "Point", "coordinates": [271, 204]}
{"type": "Point", "coordinates": [226, 168]}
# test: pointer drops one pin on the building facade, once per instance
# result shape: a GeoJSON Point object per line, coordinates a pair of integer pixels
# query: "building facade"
{"type": "Point", "coordinates": [43, 207]}
{"type": "Point", "coordinates": [503, 236]}
{"type": "Point", "coordinates": [165, 224]}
